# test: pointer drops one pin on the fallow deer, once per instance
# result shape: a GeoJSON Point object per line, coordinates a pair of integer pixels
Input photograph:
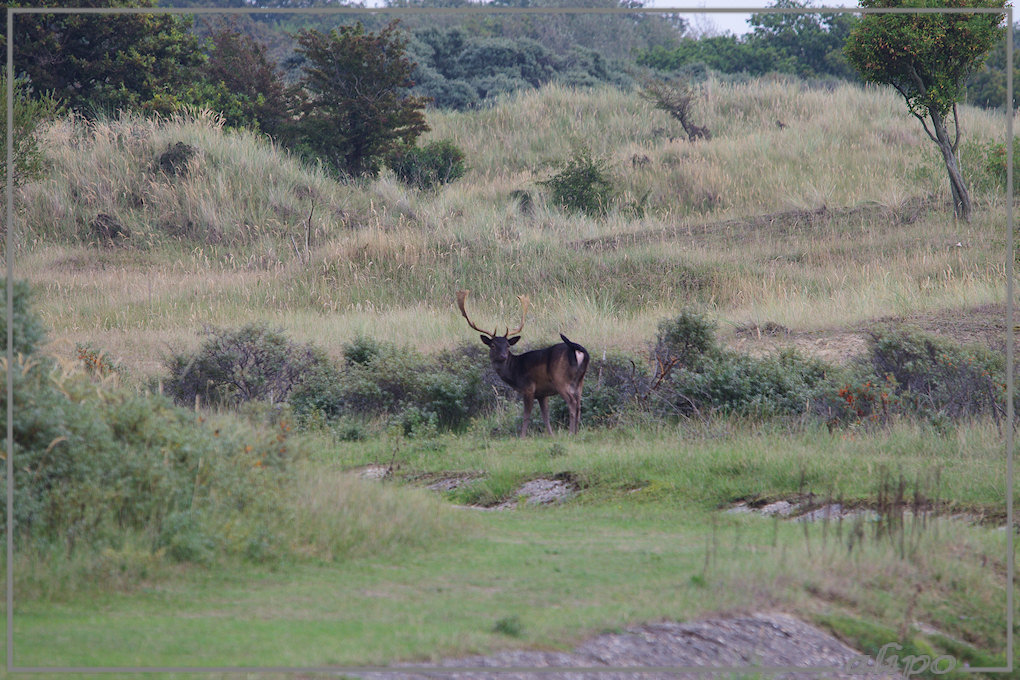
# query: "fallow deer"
{"type": "Point", "coordinates": [537, 374]}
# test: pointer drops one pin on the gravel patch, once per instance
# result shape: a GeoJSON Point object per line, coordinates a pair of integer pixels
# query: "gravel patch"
{"type": "Point", "coordinates": [738, 645]}
{"type": "Point", "coordinates": [804, 511]}
{"type": "Point", "coordinates": [539, 492]}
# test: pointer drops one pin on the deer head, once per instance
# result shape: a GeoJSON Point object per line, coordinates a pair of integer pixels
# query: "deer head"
{"type": "Point", "coordinates": [499, 346]}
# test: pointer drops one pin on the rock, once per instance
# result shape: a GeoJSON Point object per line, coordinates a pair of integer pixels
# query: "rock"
{"type": "Point", "coordinates": [737, 646]}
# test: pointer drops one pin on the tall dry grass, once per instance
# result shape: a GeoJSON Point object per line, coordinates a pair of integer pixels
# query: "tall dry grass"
{"type": "Point", "coordinates": [224, 244]}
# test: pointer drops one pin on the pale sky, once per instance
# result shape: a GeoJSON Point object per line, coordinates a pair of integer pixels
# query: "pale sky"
{"type": "Point", "coordinates": [730, 22]}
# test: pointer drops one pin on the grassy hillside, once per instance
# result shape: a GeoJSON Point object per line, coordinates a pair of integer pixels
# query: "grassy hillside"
{"type": "Point", "coordinates": [222, 242]}
{"type": "Point", "coordinates": [832, 220]}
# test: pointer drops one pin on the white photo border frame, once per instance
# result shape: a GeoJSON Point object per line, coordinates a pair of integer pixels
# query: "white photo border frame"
{"type": "Point", "coordinates": [11, 667]}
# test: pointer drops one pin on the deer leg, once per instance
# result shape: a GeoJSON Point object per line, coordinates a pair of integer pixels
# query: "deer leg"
{"type": "Point", "coordinates": [543, 403]}
{"type": "Point", "coordinates": [527, 413]}
{"type": "Point", "coordinates": [577, 397]}
{"type": "Point", "coordinates": [573, 399]}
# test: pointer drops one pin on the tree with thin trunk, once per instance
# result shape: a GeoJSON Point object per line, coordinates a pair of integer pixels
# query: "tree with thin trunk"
{"type": "Point", "coordinates": [677, 98]}
{"type": "Point", "coordinates": [928, 58]}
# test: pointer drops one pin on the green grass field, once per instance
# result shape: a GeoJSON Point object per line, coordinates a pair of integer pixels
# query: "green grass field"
{"type": "Point", "coordinates": [375, 572]}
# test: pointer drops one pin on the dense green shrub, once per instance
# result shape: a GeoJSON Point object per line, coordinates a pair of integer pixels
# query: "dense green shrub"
{"type": "Point", "coordinates": [684, 340]}
{"type": "Point", "coordinates": [694, 375]}
{"type": "Point", "coordinates": [457, 70]}
{"type": "Point", "coordinates": [783, 384]}
{"type": "Point", "coordinates": [935, 377]}
{"type": "Point", "coordinates": [26, 329]}
{"type": "Point", "coordinates": [907, 373]}
{"type": "Point", "coordinates": [254, 362]}
{"type": "Point", "coordinates": [320, 394]}
{"type": "Point", "coordinates": [96, 464]}
{"type": "Point", "coordinates": [31, 110]}
{"type": "Point", "coordinates": [583, 185]}
{"type": "Point", "coordinates": [380, 384]}
{"type": "Point", "coordinates": [994, 163]}
{"type": "Point", "coordinates": [428, 166]}
{"type": "Point", "coordinates": [382, 381]}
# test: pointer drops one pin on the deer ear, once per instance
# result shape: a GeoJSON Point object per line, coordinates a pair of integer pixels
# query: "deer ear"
{"type": "Point", "coordinates": [513, 340]}
{"type": "Point", "coordinates": [486, 339]}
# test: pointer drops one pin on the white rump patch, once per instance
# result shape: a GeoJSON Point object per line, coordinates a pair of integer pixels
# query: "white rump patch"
{"type": "Point", "coordinates": [580, 357]}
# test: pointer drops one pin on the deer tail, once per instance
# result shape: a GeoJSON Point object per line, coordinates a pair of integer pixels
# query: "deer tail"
{"type": "Point", "coordinates": [578, 355]}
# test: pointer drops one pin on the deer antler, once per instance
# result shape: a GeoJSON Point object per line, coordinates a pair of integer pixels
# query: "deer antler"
{"type": "Point", "coordinates": [461, 296]}
{"type": "Point", "coordinates": [524, 313]}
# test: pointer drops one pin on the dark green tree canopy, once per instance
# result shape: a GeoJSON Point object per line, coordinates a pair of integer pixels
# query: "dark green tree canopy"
{"type": "Point", "coordinates": [810, 43]}
{"type": "Point", "coordinates": [460, 71]}
{"type": "Point", "coordinates": [357, 105]}
{"type": "Point", "coordinates": [101, 63]}
{"type": "Point", "coordinates": [242, 83]}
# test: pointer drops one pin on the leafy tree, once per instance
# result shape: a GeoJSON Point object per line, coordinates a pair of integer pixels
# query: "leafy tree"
{"type": "Point", "coordinates": [243, 83]}
{"type": "Point", "coordinates": [517, 60]}
{"type": "Point", "coordinates": [615, 36]}
{"type": "Point", "coordinates": [584, 67]}
{"type": "Point", "coordinates": [99, 63]}
{"type": "Point", "coordinates": [809, 45]}
{"type": "Point", "coordinates": [459, 71]}
{"type": "Point", "coordinates": [356, 105]}
{"type": "Point", "coordinates": [927, 58]}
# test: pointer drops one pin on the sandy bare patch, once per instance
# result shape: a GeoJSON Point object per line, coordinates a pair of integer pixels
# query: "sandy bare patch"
{"type": "Point", "coordinates": [983, 325]}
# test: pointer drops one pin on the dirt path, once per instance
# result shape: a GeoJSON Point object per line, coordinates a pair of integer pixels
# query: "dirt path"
{"type": "Point", "coordinates": [982, 325]}
{"type": "Point", "coordinates": [739, 645]}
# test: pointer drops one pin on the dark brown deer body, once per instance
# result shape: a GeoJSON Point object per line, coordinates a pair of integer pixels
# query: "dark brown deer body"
{"type": "Point", "coordinates": [538, 374]}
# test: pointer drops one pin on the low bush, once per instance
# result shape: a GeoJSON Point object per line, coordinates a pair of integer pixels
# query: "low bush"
{"type": "Point", "coordinates": [583, 185]}
{"type": "Point", "coordinates": [783, 384]}
{"type": "Point", "coordinates": [429, 166]}
{"type": "Point", "coordinates": [907, 372]}
{"type": "Point", "coordinates": [254, 362]}
{"type": "Point", "coordinates": [684, 341]}
{"type": "Point", "coordinates": [380, 380]}
{"type": "Point", "coordinates": [993, 163]}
